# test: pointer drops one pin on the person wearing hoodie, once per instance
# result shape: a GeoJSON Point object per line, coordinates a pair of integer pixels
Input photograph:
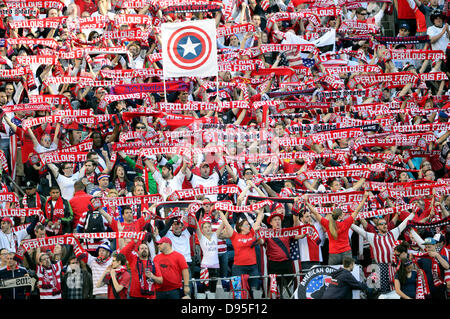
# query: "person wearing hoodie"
{"type": "Point", "coordinates": [343, 282]}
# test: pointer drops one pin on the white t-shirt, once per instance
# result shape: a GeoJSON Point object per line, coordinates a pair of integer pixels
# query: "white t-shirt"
{"type": "Point", "coordinates": [167, 186]}
{"type": "Point", "coordinates": [210, 251]}
{"type": "Point", "coordinates": [181, 244]}
{"type": "Point", "coordinates": [66, 185]}
{"type": "Point", "coordinates": [41, 149]}
{"type": "Point", "coordinates": [440, 44]}
{"type": "Point", "coordinates": [212, 180]}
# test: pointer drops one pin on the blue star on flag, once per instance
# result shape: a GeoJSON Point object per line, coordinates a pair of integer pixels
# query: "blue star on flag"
{"type": "Point", "coordinates": [308, 62]}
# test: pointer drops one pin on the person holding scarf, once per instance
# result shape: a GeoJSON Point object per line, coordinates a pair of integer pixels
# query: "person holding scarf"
{"type": "Point", "coordinates": [244, 239]}
{"type": "Point", "coordinates": [32, 198]}
{"type": "Point", "coordinates": [278, 251]}
{"type": "Point", "coordinates": [116, 277]}
{"type": "Point", "coordinates": [144, 272]}
{"type": "Point", "coordinates": [209, 244]}
{"type": "Point", "coordinates": [49, 276]}
{"type": "Point", "coordinates": [434, 266]}
{"type": "Point", "coordinates": [58, 213]}
{"type": "Point", "coordinates": [337, 230]}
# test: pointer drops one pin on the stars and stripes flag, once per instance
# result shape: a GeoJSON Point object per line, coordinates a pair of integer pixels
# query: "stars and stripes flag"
{"type": "Point", "coordinates": [189, 49]}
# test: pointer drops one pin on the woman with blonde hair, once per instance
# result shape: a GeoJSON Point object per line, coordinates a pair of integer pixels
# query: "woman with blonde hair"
{"type": "Point", "coordinates": [337, 229]}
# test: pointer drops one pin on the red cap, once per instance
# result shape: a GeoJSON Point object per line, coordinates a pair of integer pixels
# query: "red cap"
{"type": "Point", "coordinates": [9, 220]}
{"type": "Point", "coordinates": [274, 214]}
{"type": "Point", "coordinates": [164, 240]}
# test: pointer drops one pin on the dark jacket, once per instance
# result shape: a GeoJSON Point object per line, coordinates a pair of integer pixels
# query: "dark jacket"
{"type": "Point", "coordinates": [87, 284]}
{"type": "Point", "coordinates": [20, 292]}
{"type": "Point", "coordinates": [342, 284]}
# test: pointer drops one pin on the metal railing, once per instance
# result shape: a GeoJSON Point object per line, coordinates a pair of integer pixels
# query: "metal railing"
{"type": "Point", "coordinates": [285, 292]}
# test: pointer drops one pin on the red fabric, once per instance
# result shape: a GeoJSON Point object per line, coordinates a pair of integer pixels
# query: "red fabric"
{"type": "Point", "coordinates": [135, 226]}
{"type": "Point", "coordinates": [124, 280]}
{"type": "Point", "coordinates": [291, 167]}
{"type": "Point", "coordinates": [170, 266]}
{"type": "Point", "coordinates": [132, 257]}
{"type": "Point", "coordinates": [27, 144]}
{"type": "Point", "coordinates": [341, 244]}
{"type": "Point", "coordinates": [244, 254]}
{"type": "Point", "coordinates": [86, 5]}
{"type": "Point", "coordinates": [274, 252]}
{"type": "Point", "coordinates": [404, 11]}
{"type": "Point", "coordinates": [79, 203]}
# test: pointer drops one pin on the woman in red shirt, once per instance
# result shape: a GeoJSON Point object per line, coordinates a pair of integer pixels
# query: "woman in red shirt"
{"type": "Point", "coordinates": [244, 240]}
{"type": "Point", "coordinates": [337, 230]}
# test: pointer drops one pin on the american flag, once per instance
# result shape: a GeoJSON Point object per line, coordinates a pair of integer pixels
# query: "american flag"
{"type": "Point", "coordinates": [314, 286]}
{"type": "Point", "coordinates": [308, 62]}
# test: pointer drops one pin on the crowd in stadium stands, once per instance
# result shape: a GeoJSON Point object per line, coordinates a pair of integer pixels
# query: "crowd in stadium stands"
{"type": "Point", "coordinates": [323, 140]}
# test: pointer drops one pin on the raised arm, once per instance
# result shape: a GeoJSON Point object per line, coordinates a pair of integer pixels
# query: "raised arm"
{"type": "Point", "coordinates": [360, 206]}
{"type": "Point", "coordinates": [313, 210]}
{"type": "Point", "coordinates": [227, 227]}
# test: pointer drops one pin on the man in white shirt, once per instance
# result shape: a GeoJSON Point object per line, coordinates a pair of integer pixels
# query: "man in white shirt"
{"type": "Point", "coordinates": [439, 34]}
{"type": "Point", "coordinates": [167, 182]}
{"type": "Point", "coordinates": [205, 179]}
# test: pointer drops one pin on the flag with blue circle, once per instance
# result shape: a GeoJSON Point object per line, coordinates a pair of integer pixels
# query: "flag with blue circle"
{"type": "Point", "coordinates": [189, 48]}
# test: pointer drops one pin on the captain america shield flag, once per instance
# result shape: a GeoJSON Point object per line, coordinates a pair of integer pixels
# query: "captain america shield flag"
{"type": "Point", "coordinates": [189, 49]}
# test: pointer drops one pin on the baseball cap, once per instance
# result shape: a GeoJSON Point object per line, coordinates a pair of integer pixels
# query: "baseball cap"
{"type": "Point", "coordinates": [9, 220]}
{"type": "Point", "coordinates": [404, 26]}
{"type": "Point", "coordinates": [429, 241]}
{"type": "Point", "coordinates": [164, 240]}
{"type": "Point", "coordinates": [274, 214]}
{"type": "Point", "coordinates": [30, 185]}
{"type": "Point", "coordinates": [104, 246]}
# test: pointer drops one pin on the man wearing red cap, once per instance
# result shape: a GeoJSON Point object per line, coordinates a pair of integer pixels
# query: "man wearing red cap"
{"type": "Point", "coordinates": [10, 239]}
{"type": "Point", "coordinates": [174, 270]}
{"type": "Point", "coordinates": [278, 250]}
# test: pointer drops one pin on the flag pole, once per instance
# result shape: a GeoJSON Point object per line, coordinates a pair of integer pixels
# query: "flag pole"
{"type": "Point", "coordinates": [164, 83]}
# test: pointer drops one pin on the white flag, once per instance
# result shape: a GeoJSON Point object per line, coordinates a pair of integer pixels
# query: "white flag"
{"type": "Point", "coordinates": [189, 48]}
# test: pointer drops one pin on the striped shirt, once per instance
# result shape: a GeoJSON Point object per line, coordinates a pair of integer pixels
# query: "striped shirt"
{"type": "Point", "coordinates": [97, 271]}
{"type": "Point", "coordinates": [51, 275]}
{"type": "Point", "coordinates": [382, 244]}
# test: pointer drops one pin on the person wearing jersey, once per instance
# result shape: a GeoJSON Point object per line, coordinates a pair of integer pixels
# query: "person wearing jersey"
{"type": "Point", "coordinates": [144, 272]}
{"type": "Point", "coordinates": [209, 244]}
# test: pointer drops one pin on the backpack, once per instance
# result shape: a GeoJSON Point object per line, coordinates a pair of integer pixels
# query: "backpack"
{"type": "Point", "coordinates": [94, 222]}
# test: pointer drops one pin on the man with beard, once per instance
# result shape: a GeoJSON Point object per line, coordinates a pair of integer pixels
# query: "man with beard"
{"type": "Point", "coordinates": [144, 273]}
{"type": "Point", "coordinates": [167, 182]}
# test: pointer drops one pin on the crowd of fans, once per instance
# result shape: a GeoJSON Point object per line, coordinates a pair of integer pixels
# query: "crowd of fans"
{"type": "Point", "coordinates": [323, 138]}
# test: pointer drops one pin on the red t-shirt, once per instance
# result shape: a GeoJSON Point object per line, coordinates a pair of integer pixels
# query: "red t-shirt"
{"type": "Point", "coordinates": [170, 266]}
{"type": "Point", "coordinates": [124, 280]}
{"type": "Point", "coordinates": [135, 226]}
{"type": "Point", "coordinates": [244, 254]}
{"type": "Point", "coordinates": [341, 244]}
